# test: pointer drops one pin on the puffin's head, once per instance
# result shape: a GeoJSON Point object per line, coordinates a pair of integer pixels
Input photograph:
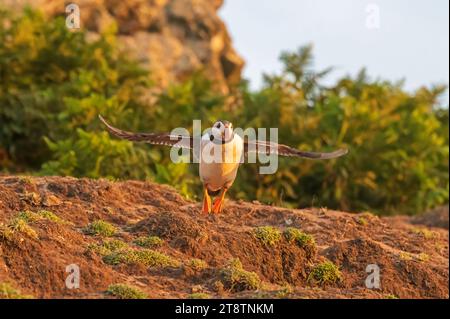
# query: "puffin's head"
{"type": "Point", "coordinates": [222, 130]}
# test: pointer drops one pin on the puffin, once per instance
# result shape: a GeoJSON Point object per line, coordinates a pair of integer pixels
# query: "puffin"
{"type": "Point", "coordinates": [220, 155]}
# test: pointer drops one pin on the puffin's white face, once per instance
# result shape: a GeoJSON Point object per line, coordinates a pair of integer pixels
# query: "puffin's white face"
{"type": "Point", "coordinates": [222, 130]}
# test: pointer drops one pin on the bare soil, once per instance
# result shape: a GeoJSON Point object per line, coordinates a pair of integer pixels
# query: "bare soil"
{"type": "Point", "coordinates": [412, 253]}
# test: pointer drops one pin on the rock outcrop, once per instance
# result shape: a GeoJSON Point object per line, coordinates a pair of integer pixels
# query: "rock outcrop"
{"type": "Point", "coordinates": [172, 38]}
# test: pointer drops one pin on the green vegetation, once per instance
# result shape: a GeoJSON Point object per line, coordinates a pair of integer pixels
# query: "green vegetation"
{"type": "Point", "coordinates": [20, 224]}
{"type": "Point", "coordinates": [325, 273]}
{"type": "Point", "coordinates": [423, 257]}
{"type": "Point", "coordinates": [405, 256]}
{"type": "Point", "coordinates": [149, 241]}
{"type": "Point", "coordinates": [390, 296]}
{"type": "Point", "coordinates": [122, 291]}
{"type": "Point", "coordinates": [199, 295]}
{"type": "Point", "coordinates": [9, 292]}
{"type": "Point", "coordinates": [55, 82]}
{"type": "Point", "coordinates": [147, 257]}
{"type": "Point", "coordinates": [294, 235]}
{"type": "Point", "coordinates": [108, 247]}
{"type": "Point", "coordinates": [235, 278]}
{"type": "Point", "coordinates": [268, 235]}
{"type": "Point", "coordinates": [305, 241]}
{"type": "Point", "coordinates": [101, 228]}
{"type": "Point", "coordinates": [285, 291]}
{"type": "Point", "coordinates": [195, 264]}
{"type": "Point", "coordinates": [52, 217]}
{"type": "Point", "coordinates": [425, 233]}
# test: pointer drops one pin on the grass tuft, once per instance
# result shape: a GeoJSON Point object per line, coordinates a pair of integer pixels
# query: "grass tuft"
{"type": "Point", "coordinates": [235, 278]}
{"type": "Point", "coordinates": [199, 295]}
{"type": "Point", "coordinates": [100, 228]}
{"type": "Point", "coordinates": [423, 257]}
{"type": "Point", "coordinates": [149, 241]}
{"type": "Point", "coordinates": [52, 217]}
{"type": "Point", "coordinates": [9, 292]}
{"type": "Point", "coordinates": [122, 291]}
{"type": "Point", "coordinates": [305, 241]}
{"type": "Point", "coordinates": [325, 273]}
{"type": "Point", "coordinates": [268, 235]}
{"type": "Point", "coordinates": [19, 224]}
{"type": "Point", "coordinates": [425, 233]}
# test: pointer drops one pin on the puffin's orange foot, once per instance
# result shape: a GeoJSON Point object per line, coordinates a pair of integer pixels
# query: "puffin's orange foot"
{"type": "Point", "coordinates": [206, 207]}
{"type": "Point", "coordinates": [218, 205]}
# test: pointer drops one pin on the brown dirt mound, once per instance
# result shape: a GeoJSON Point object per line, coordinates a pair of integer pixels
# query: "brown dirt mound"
{"type": "Point", "coordinates": [413, 258]}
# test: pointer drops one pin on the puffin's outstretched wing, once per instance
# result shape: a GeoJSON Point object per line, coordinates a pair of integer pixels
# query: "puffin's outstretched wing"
{"type": "Point", "coordinates": [166, 139]}
{"type": "Point", "coordinates": [284, 150]}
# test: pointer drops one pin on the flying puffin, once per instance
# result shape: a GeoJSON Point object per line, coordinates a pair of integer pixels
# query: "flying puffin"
{"type": "Point", "coordinates": [217, 176]}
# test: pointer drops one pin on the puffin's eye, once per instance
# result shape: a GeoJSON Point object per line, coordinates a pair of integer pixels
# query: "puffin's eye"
{"type": "Point", "coordinates": [218, 125]}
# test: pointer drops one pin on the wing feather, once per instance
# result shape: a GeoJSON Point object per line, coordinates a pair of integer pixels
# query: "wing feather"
{"type": "Point", "coordinates": [267, 148]}
{"type": "Point", "coordinates": [166, 139]}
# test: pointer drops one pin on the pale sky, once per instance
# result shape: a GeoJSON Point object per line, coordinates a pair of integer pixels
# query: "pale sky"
{"type": "Point", "coordinates": [412, 41]}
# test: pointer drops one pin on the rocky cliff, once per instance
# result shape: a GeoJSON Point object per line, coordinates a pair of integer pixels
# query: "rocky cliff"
{"type": "Point", "coordinates": [172, 38]}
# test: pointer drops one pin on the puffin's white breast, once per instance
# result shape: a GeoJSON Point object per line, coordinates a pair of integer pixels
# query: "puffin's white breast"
{"type": "Point", "coordinates": [219, 162]}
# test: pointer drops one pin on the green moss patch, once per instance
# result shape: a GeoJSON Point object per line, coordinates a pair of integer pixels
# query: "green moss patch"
{"type": "Point", "coordinates": [122, 291]}
{"type": "Point", "coordinates": [147, 257]}
{"type": "Point", "coordinates": [100, 228]}
{"type": "Point", "coordinates": [325, 273]}
{"type": "Point", "coordinates": [235, 278]}
{"type": "Point", "coordinates": [148, 241]}
{"type": "Point", "coordinates": [9, 292]}
{"type": "Point", "coordinates": [268, 235]}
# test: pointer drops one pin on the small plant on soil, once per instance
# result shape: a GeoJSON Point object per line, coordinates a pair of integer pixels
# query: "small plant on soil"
{"type": "Point", "coordinates": [108, 247]}
{"type": "Point", "coordinates": [325, 273]}
{"type": "Point", "coordinates": [268, 235]}
{"type": "Point", "coordinates": [19, 224]}
{"type": "Point", "coordinates": [196, 264]}
{"type": "Point", "coordinates": [9, 292]}
{"type": "Point", "coordinates": [235, 278]}
{"type": "Point", "coordinates": [122, 291]}
{"type": "Point", "coordinates": [362, 221]}
{"type": "Point", "coordinates": [52, 217]}
{"type": "Point", "coordinates": [29, 216]}
{"type": "Point", "coordinates": [405, 256]}
{"type": "Point", "coordinates": [305, 241]}
{"type": "Point", "coordinates": [101, 228]}
{"type": "Point", "coordinates": [149, 241]}
{"type": "Point", "coordinates": [149, 258]}
{"type": "Point", "coordinates": [423, 257]}
{"type": "Point", "coordinates": [390, 296]}
{"type": "Point", "coordinates": [199, 295]}
{"type": "Point", "coordinates": [285, 291]}
{"type": "Point", "coordinates": [425, 233]}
